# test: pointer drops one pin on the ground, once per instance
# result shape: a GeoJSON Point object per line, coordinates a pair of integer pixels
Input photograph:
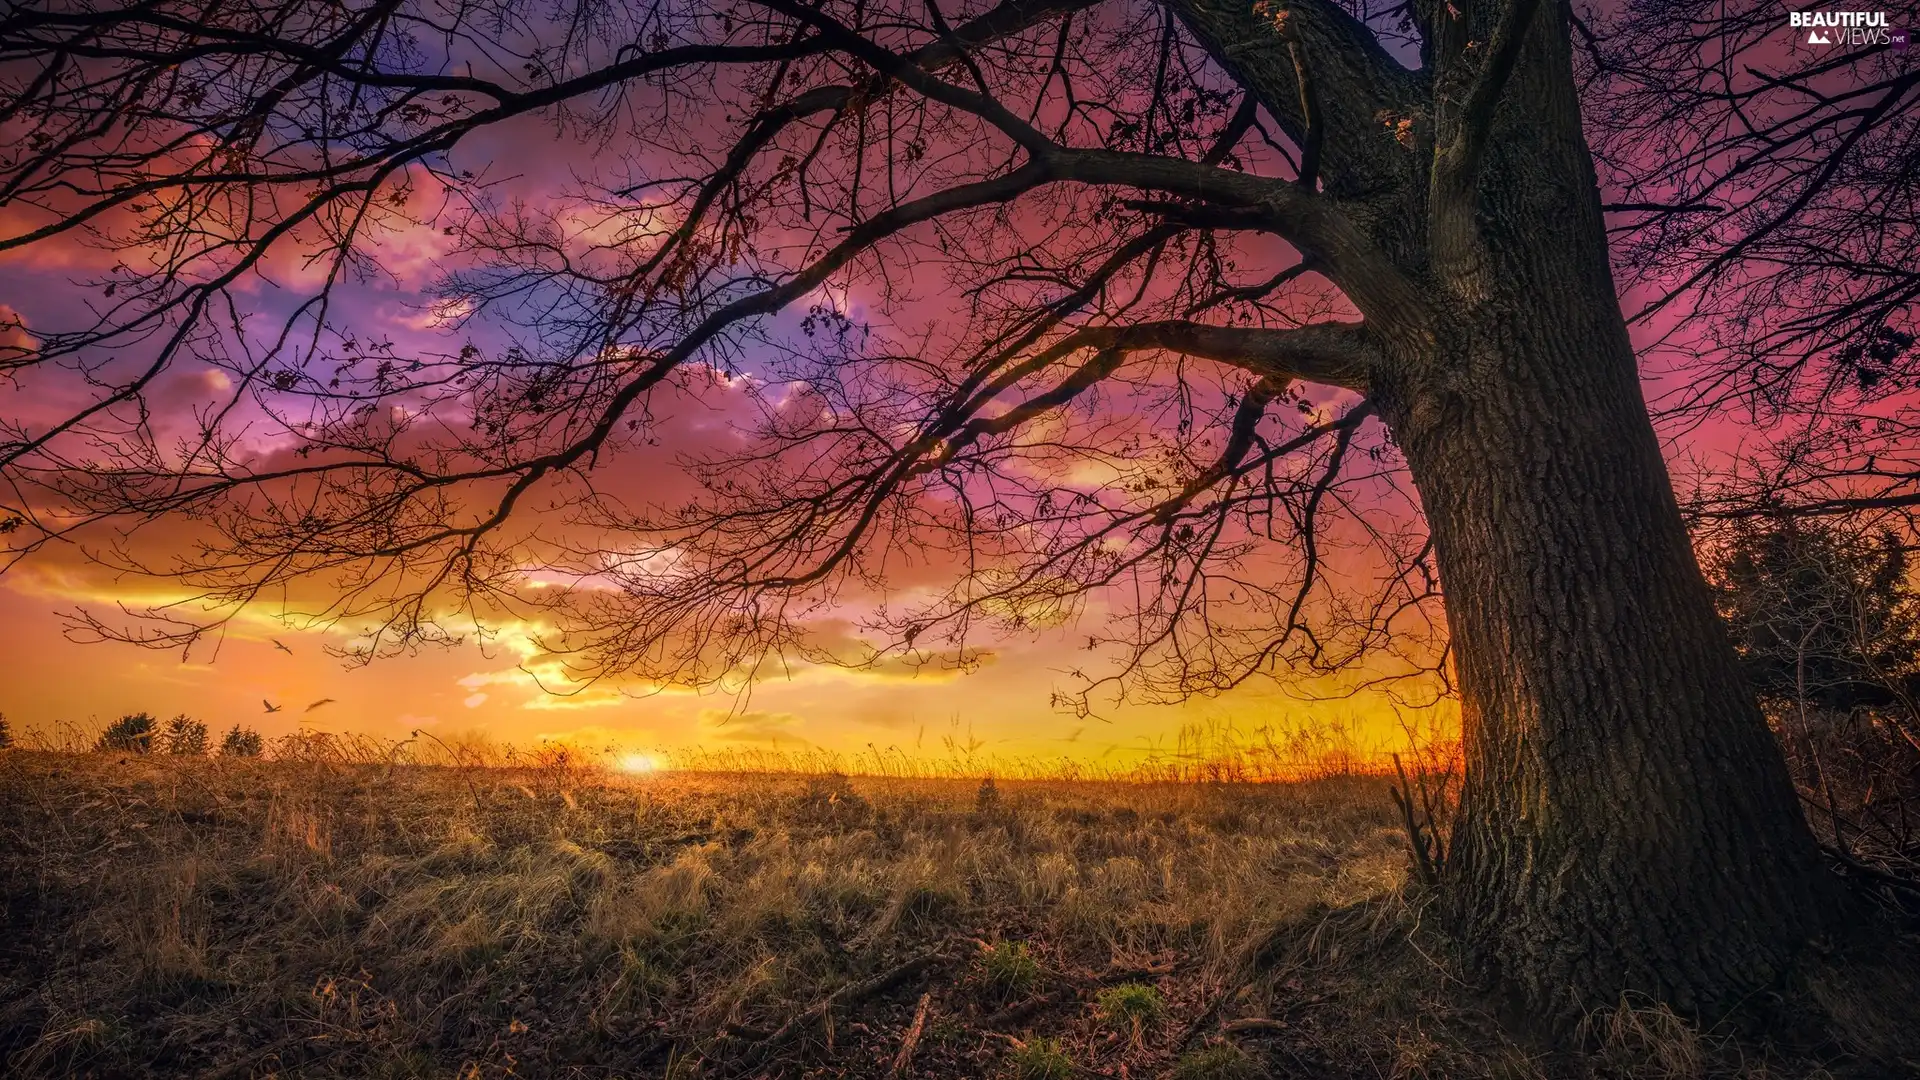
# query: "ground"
{"type": "Point", "coordinates": [247, 918]}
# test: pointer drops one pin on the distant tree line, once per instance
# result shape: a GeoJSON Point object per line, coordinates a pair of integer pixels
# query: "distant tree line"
{"type": "Point", "coordinates": [182, 736]}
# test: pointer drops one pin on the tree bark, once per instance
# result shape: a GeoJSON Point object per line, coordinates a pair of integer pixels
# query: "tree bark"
{"type": "Point", "coordinates": [1627, 822]}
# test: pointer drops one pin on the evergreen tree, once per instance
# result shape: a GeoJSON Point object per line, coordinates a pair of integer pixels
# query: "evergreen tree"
{"type": "Point", "coordinates": [242, 742]}
{"type": "Point", "coordinates": [1822, 615]}
{"type": "Point", "coordinates": [185, 737]}
{"type": "Point", "coordinates": [132, 733]}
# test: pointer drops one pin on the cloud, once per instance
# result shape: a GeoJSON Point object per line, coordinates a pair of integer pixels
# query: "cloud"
{"type": "Point", "coordinates": [546, 682]}
{"type": "Point", "coordinates": [719, 725]}
{"type": "Point", "coordinates": [14, 339]}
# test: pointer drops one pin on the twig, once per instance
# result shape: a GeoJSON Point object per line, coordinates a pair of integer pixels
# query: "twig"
{"type": "Point", "coordinates": [1019, 1010]}
{"type": "Point", "coordinates": [1017, 1044]}
{"type": "Point", "coordinates": [1852, 865]}
{"type": "Point", "coordinates": [912, 1039]}
{"type": "Point", "coordinates": [1208, 1015]}
{"type": "Point", "coordinates": [459, 763]}
{"type": "Point", "coordinates": [1115, 972]}
{"type": "Point", "coordinates": [758, 1052]}
{"type": "Point", "coordinates": [1255, 1025]}
{"type": "Point", "coordinates": [1423, 868]}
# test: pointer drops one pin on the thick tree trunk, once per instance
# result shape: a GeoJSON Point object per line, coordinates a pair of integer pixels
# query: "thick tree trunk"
{"type": "Point", "coordinates": [1627, 823]}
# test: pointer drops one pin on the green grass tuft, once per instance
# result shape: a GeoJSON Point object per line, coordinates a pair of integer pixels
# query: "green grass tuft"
{"type": "Point", "coordinates": [1131, 1005]}
{"type": "Point", "coordinates": [1040, 1059]}
{"type": "Point", "coordinates": [1009, 969]}
{"type": "Point", "coordinates": [1221, 1061]}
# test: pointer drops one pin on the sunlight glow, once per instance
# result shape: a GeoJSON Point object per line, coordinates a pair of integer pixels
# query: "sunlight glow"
{"type": "Point", "coordinates": [638, 763]}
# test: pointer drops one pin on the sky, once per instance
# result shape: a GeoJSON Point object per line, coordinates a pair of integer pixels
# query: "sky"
{"type": "Point", "coordinates": [1002, 707]}
{"type": "Point", "coordinates": [278, 676]}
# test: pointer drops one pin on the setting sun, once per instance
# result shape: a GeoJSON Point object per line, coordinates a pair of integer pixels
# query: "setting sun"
{"type": "Point", "coordinates": [638, 764]}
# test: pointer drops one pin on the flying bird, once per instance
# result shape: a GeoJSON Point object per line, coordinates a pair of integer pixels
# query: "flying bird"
{"type": "Point", "coordinates": [271, 707]}
{"type": "Point", "coordinates": [278, 644]}
{"type": "Point", "coordinates": [317, 704]}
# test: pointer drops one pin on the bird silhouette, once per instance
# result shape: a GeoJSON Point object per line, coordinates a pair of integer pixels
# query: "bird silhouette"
{"type": "Point", "coordinates": [271, 707]}
{"type": "Point", "coordinates": [278, 644]}
{"type": "Point", "coordinates": [317, 704]}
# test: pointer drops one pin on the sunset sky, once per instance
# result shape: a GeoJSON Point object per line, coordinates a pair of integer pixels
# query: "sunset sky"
{"type": "Point", "coordinates": [470, 690]}
{"type": "Point", "coordinates": [1004, 706]}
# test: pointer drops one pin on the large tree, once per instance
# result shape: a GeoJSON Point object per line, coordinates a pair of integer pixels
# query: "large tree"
{"type": "Point", "coordinates": [1161, 304]}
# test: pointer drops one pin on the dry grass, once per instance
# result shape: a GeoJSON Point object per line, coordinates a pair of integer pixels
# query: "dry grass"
{"type": "Point", "coordinates": [304, 917]}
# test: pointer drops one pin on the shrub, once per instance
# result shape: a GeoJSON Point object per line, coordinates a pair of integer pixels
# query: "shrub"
{"type": "Point", "coordinates": [242, 742]}
{"type": "Point", "coordinates": [831, 798]}
{"type": "Point", "coordinates": [1041, 1059]}
{"type": "Point", "coordinates": [1823, 616]}
{"type": "Point", "coordinates": [6, 732]}
{"type": "Point", "coordinates": [1009, 968]}
{"type": "Point", "coordinates": [1221, 1061]}
{"type": "Point", "coordinates": [132, 733]}
{"type": "Point", "coordinates": [1826, 618]}
{"type": "Point", "coordinates": [987, 799]}
{"type": "Point", "coordinates": [184, 737]}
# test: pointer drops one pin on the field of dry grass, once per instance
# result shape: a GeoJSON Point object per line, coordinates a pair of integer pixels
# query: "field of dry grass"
{"type": "Point", "coordinates": [252, 918]}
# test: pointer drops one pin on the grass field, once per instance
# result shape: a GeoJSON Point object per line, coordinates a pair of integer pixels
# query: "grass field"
{"type": "Point", "coordinates": [252, 918]}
